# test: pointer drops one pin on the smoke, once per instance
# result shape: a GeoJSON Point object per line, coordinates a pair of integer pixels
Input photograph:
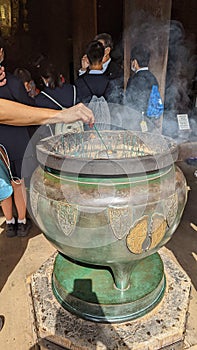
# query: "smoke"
{"type": "Point", "coordinates": [180, 69]}
{"type": "Point", "coordinates": [181, 66]}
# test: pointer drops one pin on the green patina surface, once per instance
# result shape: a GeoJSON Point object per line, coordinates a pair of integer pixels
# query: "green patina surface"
{"type": "Point", "coordinates": [145, 277]}
{"type": "Point", "coordinates": [90, 286]}
{"type": "Point", "coordinates": [121, 182]}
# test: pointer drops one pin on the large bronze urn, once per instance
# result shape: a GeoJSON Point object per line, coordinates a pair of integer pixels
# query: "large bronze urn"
{"type": "Point", "coordinates": [108, 204]}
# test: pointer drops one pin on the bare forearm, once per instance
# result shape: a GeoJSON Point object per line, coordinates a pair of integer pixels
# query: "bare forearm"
{"type": "Point", "coordinates": [14, 113]}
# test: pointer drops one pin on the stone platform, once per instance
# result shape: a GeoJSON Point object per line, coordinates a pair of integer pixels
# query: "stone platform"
{"type": "Point", "coordinates": [163, 327]}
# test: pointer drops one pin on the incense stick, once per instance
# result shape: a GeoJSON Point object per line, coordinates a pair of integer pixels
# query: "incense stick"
{"type": "Point", "coordinates": [99, 135]}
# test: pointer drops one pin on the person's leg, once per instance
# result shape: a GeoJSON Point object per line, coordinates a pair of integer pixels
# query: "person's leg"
{"type": "Point", "coordinates": [20, 199]}
{"type": "Point", "coordinates": [6, 206]}
{"type": "Point", "coordinates": [2, 321]}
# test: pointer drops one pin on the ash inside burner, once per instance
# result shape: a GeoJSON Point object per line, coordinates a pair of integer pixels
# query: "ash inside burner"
{"type": "Point", "coordinates": [119, 145]}
{"type": "Point", "coordinates": [103, 154]}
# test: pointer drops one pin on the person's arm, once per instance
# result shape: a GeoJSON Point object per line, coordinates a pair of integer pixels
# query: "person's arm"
{"type": "Point", "coordinates": [2, 76]}
{"type": "Point", "coordinates": [14, 113]}
{"type": "Point", "coordinates": [1, 55]}
{"type": "Point", "coordinates": [84, 65]}
{"type": "Point", "coordinates": [3, 82]}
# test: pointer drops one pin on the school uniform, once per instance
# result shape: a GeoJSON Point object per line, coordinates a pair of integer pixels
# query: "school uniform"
{"type": "Point", "coordinates": [138, 89]}
{"type": "Point", "coordinates": [115, 74]}
{"type": "Point", "coordinates": [63, 95]}
{"type": "Point", "coordinates": [94, 89]}
{"type": "Point", "coordinates": [92, 83]}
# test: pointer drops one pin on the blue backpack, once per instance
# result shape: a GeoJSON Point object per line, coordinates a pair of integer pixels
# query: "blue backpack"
{"type": "Point", "coordinates": [155, 105]}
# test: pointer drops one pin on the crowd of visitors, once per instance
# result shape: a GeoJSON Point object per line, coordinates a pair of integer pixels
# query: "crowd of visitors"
{"type": "Point", "coordinates": [23, 103]}
{"type": "Point", "coordinates": [99, 76]}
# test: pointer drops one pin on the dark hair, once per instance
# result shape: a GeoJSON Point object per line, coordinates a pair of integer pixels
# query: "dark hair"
{"type": "Point", "coordinates": [48, 71]}
{"type": "Point", "coordinates": [95, 52]}
{"type": "Point", "coordinates": [23, 74]}
{"type": "Point", "coordinates": [141, 54]}
{"type": "Point", "coordinates": [106, 38]}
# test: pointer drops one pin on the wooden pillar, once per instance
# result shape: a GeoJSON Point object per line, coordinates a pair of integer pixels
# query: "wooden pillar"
{"type": "Point", "coordinates": [148, 22]}
{"type": "Point", "coordinates": [84, 28]}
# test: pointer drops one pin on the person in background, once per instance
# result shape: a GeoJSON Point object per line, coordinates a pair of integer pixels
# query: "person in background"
{"type": "Point", "coordinates": [140, 83]}
{"type": "Point", "coordinates": [56, 92]}
{"type": "Point", "coordinates": [142, 92]}
{"type": "Point", "coordinates": [93, 81]}
{"type": "Point", "coordinates": [15, 140]}
{"type": "Point", "coordinates": [94, 84]}
{"type": "Point", "coordinates": [111, 68]}
{"type": "Point", "coordinates": [25, 76]}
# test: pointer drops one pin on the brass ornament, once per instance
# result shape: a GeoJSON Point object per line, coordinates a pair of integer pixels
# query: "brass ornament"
{"type": "Point", "coordinates": [120, 220]}
{"type": "Point", "coordinates": [146, 233]}
{"type": "Point", "coordinates": [137, 235]}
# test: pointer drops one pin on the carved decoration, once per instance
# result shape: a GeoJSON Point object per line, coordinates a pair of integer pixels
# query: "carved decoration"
{"type": "Point", "coordinates": [158, 229]}
{"type": "Point", "coordinates": [170, 208]}
{"type": "Point", "coordinates": [67, 217]}
{"type": "Point", "coordinates": [120, 220]}
{"type": "Point", "coordinates": [34, 202]}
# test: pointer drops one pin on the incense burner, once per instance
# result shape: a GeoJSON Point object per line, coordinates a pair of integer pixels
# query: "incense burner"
{"type": "Point", "coordinates": [108, 204]}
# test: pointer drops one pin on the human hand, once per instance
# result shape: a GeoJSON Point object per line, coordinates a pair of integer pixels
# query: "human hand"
{"type": "Point", "coordinates": [75, 113]}
{"type": "Point", "coordinates": [1, 55]}
{"type": "Point", "coordinates": [2, 76]}
{"type": "Point", "coordinates": [84, 63]}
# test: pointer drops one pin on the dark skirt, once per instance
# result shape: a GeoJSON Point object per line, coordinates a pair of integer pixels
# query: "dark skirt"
{"type": "Point", "coordinates": [22, 158]}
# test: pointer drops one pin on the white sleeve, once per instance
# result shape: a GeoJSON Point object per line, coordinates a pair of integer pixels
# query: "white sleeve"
{"type": "Point", "coordinates": [81, 71]}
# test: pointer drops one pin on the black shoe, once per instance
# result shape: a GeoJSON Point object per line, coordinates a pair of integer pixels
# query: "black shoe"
{"type": "Point", "coordinates": [10, 230]}
{"type": "Point", "coordinates": [192, 161]}
{"type": "Point", "coordinates": [2, 321]}
{"type": "Point", "coordinates": [23, 229]}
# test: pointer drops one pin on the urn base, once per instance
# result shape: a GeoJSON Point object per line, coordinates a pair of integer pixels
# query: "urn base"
{"type": "Point", "coordinates": [89, 291]}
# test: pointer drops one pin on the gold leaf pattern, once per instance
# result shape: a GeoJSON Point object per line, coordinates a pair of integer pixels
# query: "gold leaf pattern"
{"type": "Point", "coordinates": [137, 235]}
